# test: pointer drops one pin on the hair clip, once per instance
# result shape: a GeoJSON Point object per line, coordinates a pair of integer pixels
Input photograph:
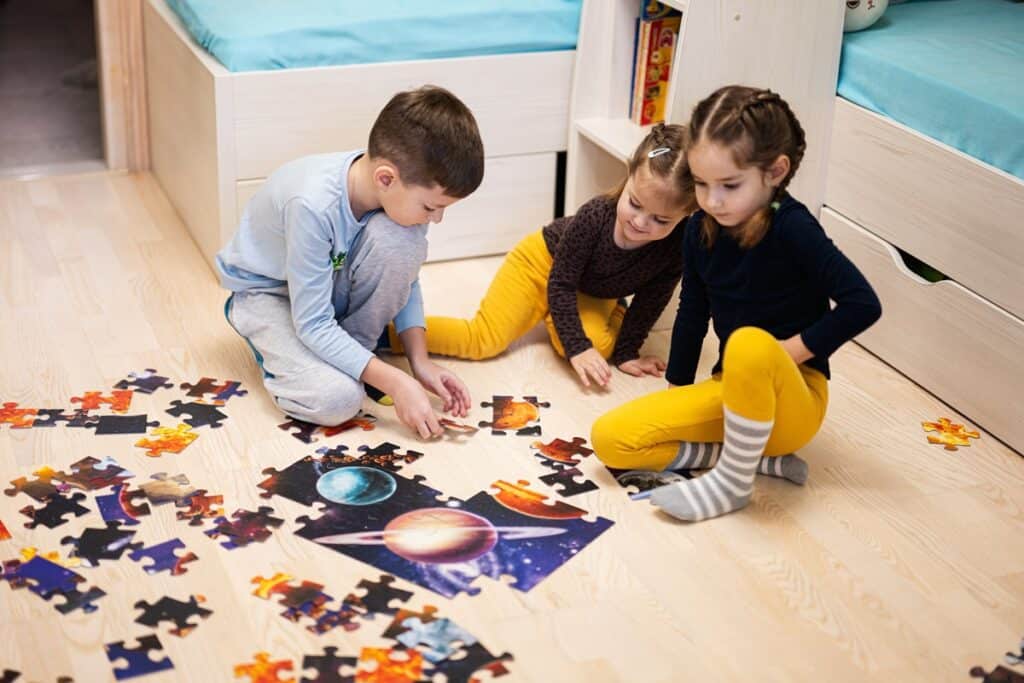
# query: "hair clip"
{"type": "Point", "coordinates": [658, 151]}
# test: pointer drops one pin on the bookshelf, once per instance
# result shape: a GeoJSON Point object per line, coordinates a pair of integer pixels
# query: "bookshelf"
{"type": "Point", "coordinates": [791, 46]}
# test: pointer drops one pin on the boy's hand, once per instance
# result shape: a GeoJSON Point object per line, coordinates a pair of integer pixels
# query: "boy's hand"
{"type": "Point", "coordinates": [446, 385]}
{"type": "Point", "coordinates": [414, 410]}
{"type": "Point", "coordinates": [590, 365]}
{"type": "Point", "coordinates": [644, 365]}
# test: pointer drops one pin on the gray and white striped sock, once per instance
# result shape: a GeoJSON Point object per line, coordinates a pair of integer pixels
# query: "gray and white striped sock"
{"type": "Point", "coordinates": [703, 455]}
{"type": "Point", "coordinates": [729, 484]}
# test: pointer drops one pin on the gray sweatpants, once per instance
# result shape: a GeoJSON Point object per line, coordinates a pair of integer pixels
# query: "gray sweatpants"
{"type": "Point", "coordinates": [369, 290]}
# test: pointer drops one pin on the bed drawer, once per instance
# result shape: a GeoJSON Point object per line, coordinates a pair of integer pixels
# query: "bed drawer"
{"type": "Point", "coordinates": [952, 342]}
{"type": "Point", "coordinates": [947, 209]}
{"type": "Point", "coordinates": [516, 197]}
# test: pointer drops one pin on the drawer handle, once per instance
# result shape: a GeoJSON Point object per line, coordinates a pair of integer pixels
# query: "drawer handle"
{"type": "Point", "coordinates": [901, 266]}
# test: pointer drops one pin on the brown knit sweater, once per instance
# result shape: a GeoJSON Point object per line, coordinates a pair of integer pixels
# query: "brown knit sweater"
{"type": "Point", "coordinates": [586, 259]}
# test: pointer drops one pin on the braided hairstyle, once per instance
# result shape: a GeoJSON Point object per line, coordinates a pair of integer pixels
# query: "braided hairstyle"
{"type": "Point", "coordinates": [758, 126]}
{"type": "Point", "coordinates": [663, 152]}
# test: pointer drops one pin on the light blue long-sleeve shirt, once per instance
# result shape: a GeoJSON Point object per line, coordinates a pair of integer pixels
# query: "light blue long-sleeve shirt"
{"type": "Point", "coordinates": [294, 233]}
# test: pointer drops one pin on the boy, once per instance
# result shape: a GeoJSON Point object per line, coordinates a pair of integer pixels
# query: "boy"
{"type": "Point", "coordinates": [328, 253]}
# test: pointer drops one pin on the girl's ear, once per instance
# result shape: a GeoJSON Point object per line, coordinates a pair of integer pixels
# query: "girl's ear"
{"type": "Point", "coordinates": [778, 170]}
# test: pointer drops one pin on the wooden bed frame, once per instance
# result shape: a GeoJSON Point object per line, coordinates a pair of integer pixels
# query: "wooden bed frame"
{"type": "Point", "coordinates": [216, 135]}
{"type": "Point", "coordinates": [963, 338]}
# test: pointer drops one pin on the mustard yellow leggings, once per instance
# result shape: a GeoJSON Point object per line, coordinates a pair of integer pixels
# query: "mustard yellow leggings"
{"type": "Point", "coordinates": [759, 381]}
{"type": "Point", "coordinates": [516, 301]}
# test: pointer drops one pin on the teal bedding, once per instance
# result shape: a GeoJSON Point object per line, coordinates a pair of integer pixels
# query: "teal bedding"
{"type": "Point", "coordinates": [252, 35]}
{"type": "Point", "coordinates": [950, 69]}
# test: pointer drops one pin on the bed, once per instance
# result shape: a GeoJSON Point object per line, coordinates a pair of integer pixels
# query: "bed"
{"type": "Point", "coordinates": [299, 83]}
{"type": "Point", "coordinates": [926, 164]}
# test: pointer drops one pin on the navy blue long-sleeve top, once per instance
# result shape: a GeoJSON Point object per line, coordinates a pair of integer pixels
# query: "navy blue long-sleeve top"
{"type": "Point", "coordinates": [782, 285]}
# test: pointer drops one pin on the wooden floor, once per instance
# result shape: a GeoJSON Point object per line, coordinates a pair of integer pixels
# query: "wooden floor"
{"type": "Point", "coordinates": [898, 561]}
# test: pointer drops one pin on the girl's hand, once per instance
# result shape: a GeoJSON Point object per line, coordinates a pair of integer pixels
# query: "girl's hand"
{"type": "Point", "coordinates": [446, 385]}
{"type": "Point", "coordinates": [644, 365]}
{"type": "Point", "coordinates": [590, 365]}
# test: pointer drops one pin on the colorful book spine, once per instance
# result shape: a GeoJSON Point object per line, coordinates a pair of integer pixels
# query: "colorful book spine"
{"type": "Point", "coordinates": [656, 43]}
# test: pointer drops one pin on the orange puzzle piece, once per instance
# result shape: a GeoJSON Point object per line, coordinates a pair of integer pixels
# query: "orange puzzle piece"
{"type": "Point", "coordinates": [407, 668]}
{"type": "Point", "coordinates": [167, 440]}
{"type": "Point", "coordinates": [263, 670]}
{"type": "Point", "coordinates": [950, 434]}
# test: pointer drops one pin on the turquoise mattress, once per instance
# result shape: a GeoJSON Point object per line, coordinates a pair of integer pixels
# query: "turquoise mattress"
{"type": "Point", "coordinates": [252, 35]}
{"type": "Point", "coordinates": [950, 69]}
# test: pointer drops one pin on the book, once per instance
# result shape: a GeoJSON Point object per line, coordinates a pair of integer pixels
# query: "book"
{"type": "Point", "coordinates": [657, 37]}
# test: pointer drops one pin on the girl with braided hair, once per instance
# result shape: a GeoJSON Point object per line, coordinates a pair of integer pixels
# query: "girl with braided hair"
{"type": "Point", "coordinates": [574, 272]}
{"type": "Point", "coordinates": [757, 263]}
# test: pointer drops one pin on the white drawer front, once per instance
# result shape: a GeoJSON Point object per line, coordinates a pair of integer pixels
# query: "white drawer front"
{"type": "Point", "coordinates": [957, 345]}
{"type": "Point", "coordinates": [516, 198]}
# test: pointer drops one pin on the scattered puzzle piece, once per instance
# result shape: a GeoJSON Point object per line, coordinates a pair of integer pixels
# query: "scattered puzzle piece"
{"type": "Point", "coordinates": [18, 418]}
{"type": "Point", "coordinates": [566, 479]}
{"type": "Point", "coordinates": [90, 474]}
{"type": "Point", "coordinates": [219, 391]}
{"type": "Point", "coordinates": [145, 382]}
{"type": "Point", "coordinates": [247, 527]}
{"type": "Point", "coordinates": [79, 418]}
{"type": "Point", "coordinates": [167, 440]}
{"type": "Point", "coordinates": [49, 417]}
{"type": "Point", "coordinates": [329, 667]}
{"type": "Point", "coordinates": [437, 637]}
{"type": "Point", "coordinates": [163, 557]}
{"type": "Point", "coordinates": [389, 665]}
{"type": "Point", "coordinates": [262, 670]}
{"type": "Point", "coordinates": [469, 660]}
{"type": "Point", "coordinates": [510, 414]}
{"type": "Point", "coordinates": [54, 510]}
{"type": "Point", "coordinates": [200, 414]}
{"type": "Point", "coordinates": [176, 611]}
{"type": "Point", "coordinates": [43, 577]}
{"type": "Point", "coordinates": [40, 488]}
{"type": "Point", "coordinates": [99, 544]}
{"type": "Point", "coordinates": [1018, 658]}
{"type": "Point", "coordinates": [120, 505]}
{"type": "Point", "coordinates": [75, 599]}
{"type": "Point", "coordinates": [562, 451]}
{"type": "Point", "coordinates": [119, 400]}
{"type": "Point", "coordinates": [306, 431]}
{"type": "Point", "coordinates": [998, 675]}
{"type": "Point", "coordinates": [163, 489]}
{"type": "Point", "coordinates": [122, 424]}
{"type": "Point", "coordinates": [950, 434]}
{"type": "Point", "coordinates": [137, 660]}
{"type": "Point", "coordinates": [5, 535]}
{"type": "Point", "coordinates": [200, 507]}
{"type": "Point", "coordinates": [29, 552]}
{"type": "Point", "coordinates": [425, 616]}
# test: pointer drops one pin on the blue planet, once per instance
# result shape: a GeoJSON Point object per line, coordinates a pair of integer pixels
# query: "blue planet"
{"type": "Point", "coordinates": [356, 486]}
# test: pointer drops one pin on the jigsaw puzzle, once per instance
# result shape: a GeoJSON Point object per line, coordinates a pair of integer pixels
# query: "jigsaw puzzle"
{"type": "Point", "coordinates": [219, 391]}
{"type": "Point", "coordinates": [561, 451]}
{"type": "Point", "coordinates": [48, 417]}
{"type": "Point", "coordinates": [200, 507]}
{"type": "Point", "coordinates": [949, 434]}
{"type": "Point", "coordinates": [89, 474]}
{"type": "Point", "coordinates": [329, 667]}
{"type": "Point", "coordinates": [199, 414]}
{"type": "Point", "coordinates": [305, 480]}
{"type": "Point", "coordinates": [163, 489]}
{"type": "Point", "coordinates": [175, 611]}
{"type": "Point", "coordinates": [40, 488]}
{"type": "Point", "coordinates": [306, 431]}
{"type": "Point", "coordinates": [17, 418]}
{"type": "Point", "coordinates": [506, 413]}
{"type": "Point", "coordinates": [262, 670]}
{"type": "Point", "coordinates": [78, 418]}
{"type": "Point", "coordinates": [644, 481]}
{"type": "Point", "coordinates": [247, 527]}
{"type": "Point", "coordinates": [138, 660]}
{"type": "Point", "coordinates": [565, 479]}
{"type": "Point", "coordinates": [389, 665]}
{"type": "Point", "coordinates": [386, 520]}
{"type": "Point", "coordinates": [120, 505]}
{"type": "Point", "coordinates": [470, 660]}
{"type": "Point", "coordinates": [998, 675]}
{"type": "Point", "coordinates": [163, 557]}
{"type": "Point", "coordinates": [307, 600]}
{"type": "Point", "coordinates": [75, 599]}
{"type": "Point", "coordinates": [41, 576]}
{"type": "Point", "coordinates": [54, 510]}
{"type": "Point", "coordinates": [119, 400]}
{"type": "Point", "coordinates": [437, 639]}
{"type": "Point", "coordinates": [424, 616]}
{"type": "Point", "coordinates": [145, 382]}
{"type": "Point", "coordinates": [121, 424]}
{"type": "Point", "coordinates": [457, 428]}
{"type": "Point", "coordinates": [167, 440]}
{"type": "Point", "coordinates": [99, 544]}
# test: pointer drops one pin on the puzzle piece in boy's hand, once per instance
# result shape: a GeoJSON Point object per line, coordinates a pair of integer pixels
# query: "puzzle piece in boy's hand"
{"type": "Point", "coordinates": [145, 382]}
{"type": "Point", "coordinates": [219, 391]}
{"type": "Point", "coordinates": [163, 557]}
{"type": "Point", "coordinates": [120, 505]}
{"type": "Point", "coordinates": [510, 414]}
{"type": "Point", "coordinates": [167, 440]}
{"type": "Point", "coordinates": [456, 429]}
{"type": "Point", "coordinates": [200, 414]}
{"type": "Point", "coordinates": [201, 507]}
{"type": "Point", "coordinates": [950, 434]}
{"type": "Point", "coordinates": [99, 544]}
{"type": "Point", "coordinates": [54, 510]}
{"type": "Point", "coordinates": [437, 637]}
{"type": "Point", "coordinates": [425, 616]}
{"type": "Point", "coordinates": [122, 424]}
{"type": "Point", "coordinates": [379, 595]}
{"type": "Point", "coordinates": [566, 479]}
{"type": "Point", "coordinates": [119, 400]}
{"type": "Point", "coordinates": [386, 456]}
{"type": "Point", "coordinates": [262, 670]}
{"type": "Point", "coordinates": [645, 481]}
{"type": "Point", "coordinates": [389, 665]}
{"type": "Point", "coordinates": [562, 451]}
{"type": "Point", "coordinates": [247, 527]}
{"type": "Point", "coordinates": [469, 660]}
{"type": "Point", "coordinates": [40, 488]}
{"type": "Point", "coordinates": [1000, 674]}
{"type": "Point", "coordinates": [329, 667]}
{"type": "Point", "coordinates": [163, 489]}
{"type": "Point", "coordinates": [90, 474]}
{"type": "Point", "coordinates": [75, 599]}
{"type": "Point", "coordinates": [137, 659]}
{"type": "Point", "coordinates": [176, 611]}
{"type": "Point", "coordinates": [18, 418]}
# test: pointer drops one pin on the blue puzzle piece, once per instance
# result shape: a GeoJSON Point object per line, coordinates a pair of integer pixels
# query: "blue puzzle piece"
{"type": "Point", "coordinates": [138, 661]}
{"type": "Point", "coordinates": [49, 577]}
{"type": "Point", "coordinates": [162, 556]}
{"type": "Point", "coordinates": [438, 637]}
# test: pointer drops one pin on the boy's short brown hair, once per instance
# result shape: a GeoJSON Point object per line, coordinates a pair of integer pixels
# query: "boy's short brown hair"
{"type": "Point", "coordinates": [432, 138]}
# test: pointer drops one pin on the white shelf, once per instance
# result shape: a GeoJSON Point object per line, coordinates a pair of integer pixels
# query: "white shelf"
{"type": "Point", "coordinates": [681, 5]}
{"type": "Point", "coordinates": [618, 137]}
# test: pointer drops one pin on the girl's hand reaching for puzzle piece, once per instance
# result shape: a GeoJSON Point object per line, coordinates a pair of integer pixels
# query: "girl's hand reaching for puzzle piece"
{"type": "Point", "coordinates": [644, 365]}
{"type": "Point", "coordinates": [589, 365]}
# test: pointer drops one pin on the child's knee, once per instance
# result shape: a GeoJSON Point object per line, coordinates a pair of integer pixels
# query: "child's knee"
{"type": "Point", "coordinates": [333, 402]}
{"type": "Point", "coordinates": [749, 348]}
{"type": "Point", "coordinates": [606, 440]}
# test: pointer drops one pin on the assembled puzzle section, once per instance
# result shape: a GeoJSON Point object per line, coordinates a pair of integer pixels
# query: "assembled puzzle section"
{"type": "Point", "coordinates": [507, 414]}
